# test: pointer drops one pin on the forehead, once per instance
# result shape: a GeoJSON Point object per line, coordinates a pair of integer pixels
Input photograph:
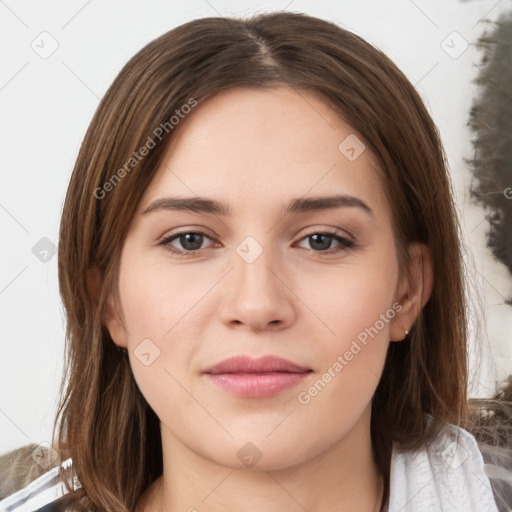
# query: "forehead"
{"type": "Point", "coordinates": [259, 147]}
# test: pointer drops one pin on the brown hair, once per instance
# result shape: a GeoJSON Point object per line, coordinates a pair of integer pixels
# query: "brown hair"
{"type": "Point", "coordinates": [104, 422]}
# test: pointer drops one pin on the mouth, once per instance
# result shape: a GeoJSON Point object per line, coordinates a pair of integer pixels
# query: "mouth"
{"type": "Point", "coordinates": [246, 377]}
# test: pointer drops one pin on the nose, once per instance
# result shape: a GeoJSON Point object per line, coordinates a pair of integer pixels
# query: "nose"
{"type": "Point", "coordinates": [258, 295]}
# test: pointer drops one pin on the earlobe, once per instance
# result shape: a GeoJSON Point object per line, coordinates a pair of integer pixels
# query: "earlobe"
{"type": "Point", "coordinates": [115, 326]}
{"type": "Point", "coordinates": [414, 291]}
{"type": "Point", "coordinates": [110, 317]}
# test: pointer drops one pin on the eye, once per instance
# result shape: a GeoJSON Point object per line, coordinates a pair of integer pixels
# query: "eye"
{"type": "Point", "coordinates": [191, 243]}
{"type": "Point", "coordinates": [321, 242]}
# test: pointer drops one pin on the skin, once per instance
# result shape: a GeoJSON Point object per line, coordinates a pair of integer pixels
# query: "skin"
{"type": "Point", "coordinates": [255, 151]}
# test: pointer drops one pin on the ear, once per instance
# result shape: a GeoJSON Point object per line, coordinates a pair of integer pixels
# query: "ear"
{"type": "Point", "coordinates": [414, 290]}
{"type": "Point", "coordinates": [111, 318]}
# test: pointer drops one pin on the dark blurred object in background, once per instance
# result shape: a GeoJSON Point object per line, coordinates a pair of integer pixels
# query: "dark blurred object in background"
{"type": "Point", "coordinates": [491, 123]}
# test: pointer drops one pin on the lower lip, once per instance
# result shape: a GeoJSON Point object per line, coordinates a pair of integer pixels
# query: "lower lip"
{"type": "Point", "coordinates": [254, 385]}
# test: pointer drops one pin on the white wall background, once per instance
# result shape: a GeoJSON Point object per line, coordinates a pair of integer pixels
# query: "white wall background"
{"type": "Point", "coordinates": [46, 105]}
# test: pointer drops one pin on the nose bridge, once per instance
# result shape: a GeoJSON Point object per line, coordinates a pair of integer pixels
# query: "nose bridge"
{"type": "Point", "coordinates": [256, 295]}
{"type": "Point", "coordinates": [254, 261]}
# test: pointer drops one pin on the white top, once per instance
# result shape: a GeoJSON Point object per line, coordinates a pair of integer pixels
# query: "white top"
{"type": "Point", "coordinates": [448, 475]}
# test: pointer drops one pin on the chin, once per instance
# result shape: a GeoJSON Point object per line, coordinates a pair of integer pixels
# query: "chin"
{"type": "Point", "coordinates": [262, 454]}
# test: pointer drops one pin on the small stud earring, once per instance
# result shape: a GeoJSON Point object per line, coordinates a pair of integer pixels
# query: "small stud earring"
{"type": "Point", "coordinates": [406, 332]}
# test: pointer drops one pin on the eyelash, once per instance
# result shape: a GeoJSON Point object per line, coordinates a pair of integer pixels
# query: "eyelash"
{"type": "Point", "coordinates": [346, 244]}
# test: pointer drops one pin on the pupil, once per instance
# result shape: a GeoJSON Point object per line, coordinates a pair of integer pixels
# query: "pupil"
{"type": "Point", "coordinates": [322, 246]}
{"type": "Point", "coordinates": [189, 240]}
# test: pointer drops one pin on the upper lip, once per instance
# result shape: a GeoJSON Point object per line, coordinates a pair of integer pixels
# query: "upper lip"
{"type": "Point", "coordinates": [265, 364]}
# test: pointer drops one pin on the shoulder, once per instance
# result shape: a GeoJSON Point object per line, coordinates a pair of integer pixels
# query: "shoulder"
{"type": "Point", "coordinates": [447, 474]}
{"type": "Point", "coordinates": [18, 469]}
{"type": "Point", "coordinates": [28, 485]}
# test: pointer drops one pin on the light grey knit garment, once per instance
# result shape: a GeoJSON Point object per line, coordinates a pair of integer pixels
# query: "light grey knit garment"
{"type": "Point", "coordinates": [447, 475]}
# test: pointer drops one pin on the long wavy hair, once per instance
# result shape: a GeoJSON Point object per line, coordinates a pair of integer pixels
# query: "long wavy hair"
{"type": "Point", "coordinates": [104, 422]}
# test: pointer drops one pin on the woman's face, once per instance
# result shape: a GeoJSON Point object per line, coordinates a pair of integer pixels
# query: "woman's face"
{"type": "Point", "coordinates": [260, 277]}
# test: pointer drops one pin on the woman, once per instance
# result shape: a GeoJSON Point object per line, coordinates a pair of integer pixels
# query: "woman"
{"type": "Point", "coordinates": [260, 265]}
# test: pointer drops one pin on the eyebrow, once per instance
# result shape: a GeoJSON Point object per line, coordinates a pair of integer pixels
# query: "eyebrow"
{"type": "Point", "coordinates": [297, 206]}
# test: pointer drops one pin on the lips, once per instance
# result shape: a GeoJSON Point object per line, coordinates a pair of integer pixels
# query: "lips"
{"type": "Point", "coordinates": [246, 364]}
{"type": "Point", "coordinates": [246, 377]}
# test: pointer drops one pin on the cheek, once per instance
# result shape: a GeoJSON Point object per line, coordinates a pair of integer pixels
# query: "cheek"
{"type": "Point", "coordinates": [157, 298]}
{"type": "Point", "coordinates": [349, 300]}
{"type": "Point", "coordinates": [161, 305]}
{"type": "Point", "coordinates": [355, 310]}
{"type": "Point", "coordinates": [156, 315]}
{"type": "Point", "coordinates": [351, 358]}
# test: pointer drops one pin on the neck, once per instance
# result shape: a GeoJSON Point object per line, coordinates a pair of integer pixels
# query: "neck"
{"type": "Point", "coordinates": [343, 477]}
